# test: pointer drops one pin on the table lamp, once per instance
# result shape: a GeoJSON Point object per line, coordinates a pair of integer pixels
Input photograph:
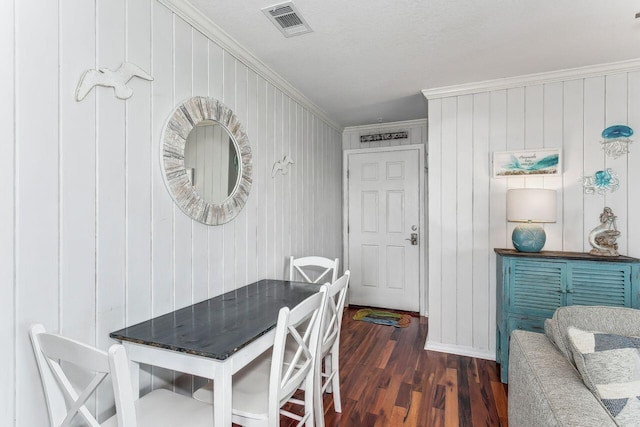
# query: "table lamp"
{"type": "Point", "coordinates": [530, 206]}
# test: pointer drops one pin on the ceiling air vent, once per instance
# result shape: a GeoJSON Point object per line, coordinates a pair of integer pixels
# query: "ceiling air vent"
{"type": "Point", "coordinates": [287, 19]}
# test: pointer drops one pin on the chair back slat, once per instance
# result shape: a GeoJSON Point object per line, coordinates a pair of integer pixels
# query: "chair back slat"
{"type": "Point", "coordinates": [302, 352]}
{"type": "Point", "coordinates": [336, 296]}
{"type": "Point", "coordinates": [79, 401]}
{"type": "Point", "coordinates": [325, 265]}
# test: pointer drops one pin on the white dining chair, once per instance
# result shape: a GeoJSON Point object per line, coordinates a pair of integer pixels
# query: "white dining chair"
{"type": "Point", "coordinates": [263, 387]}
{"type": "Point", "coordinates": [320, 265]}
{"type": "Point", "coordinates": [328, 376]}
{"type": "Point", "coordinates": [328, 379]}
{"type": "Point", "coordinates": [66, 402]}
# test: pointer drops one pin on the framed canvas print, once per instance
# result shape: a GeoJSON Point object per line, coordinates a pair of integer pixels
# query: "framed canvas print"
{"type": "Point", "coordinates": [539, 162]}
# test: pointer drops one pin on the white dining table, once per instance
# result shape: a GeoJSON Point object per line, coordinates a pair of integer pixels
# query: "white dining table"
{"type": "Point", "coordinates": [214, 338]}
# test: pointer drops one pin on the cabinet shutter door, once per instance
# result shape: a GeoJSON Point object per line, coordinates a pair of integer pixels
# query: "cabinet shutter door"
{"type": "Point", "coordinates": [599, 284]}
{"type": "Point", "coordinates": [536, 287]}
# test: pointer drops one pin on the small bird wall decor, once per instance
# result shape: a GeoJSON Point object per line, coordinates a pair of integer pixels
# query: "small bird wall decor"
{"type": "Point", "coordinates": [282, 166]}
{"type": "Point", "coordinates": [117, 79]}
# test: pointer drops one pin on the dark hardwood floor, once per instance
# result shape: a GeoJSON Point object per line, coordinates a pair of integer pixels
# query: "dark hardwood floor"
{"type": "Point", "coordinates": [388, 379]}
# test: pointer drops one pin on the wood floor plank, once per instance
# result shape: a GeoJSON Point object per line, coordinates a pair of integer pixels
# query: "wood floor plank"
{"type": "Point", "coordinates": [390, 396]}
{"type": "Point", "coordinates": [451, 412]}
{"type": "Point", "coordinates": [403, 399]}
{"type": "Point", "coordinates": [480, 410]}
{"type": "Point", "coordinates": [464, 402]}
{"type": "Point", "coordinates": [501, 401]}
{"type": "Point", "coordinates": [435, 372]}
{"type": "Point", "coordinates": [385, 354]}
{"type": "Point", "coordinates": [397, 416]}
{"type": "Point", "coordinates": [414, 409]}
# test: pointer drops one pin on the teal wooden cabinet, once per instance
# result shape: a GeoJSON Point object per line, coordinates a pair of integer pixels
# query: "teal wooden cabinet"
{"type": "Point", "coordinates": [530, 286]}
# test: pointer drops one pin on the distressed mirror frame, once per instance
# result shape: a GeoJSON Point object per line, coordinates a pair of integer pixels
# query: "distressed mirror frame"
{"type": "Point", "coordinates": [174, 137]}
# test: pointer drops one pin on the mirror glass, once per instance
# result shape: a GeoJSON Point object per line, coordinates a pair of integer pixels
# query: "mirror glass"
{"type": "Point", "coordinates": [211, 161]}
{"type": "Point", "coordinates": [206, 160]}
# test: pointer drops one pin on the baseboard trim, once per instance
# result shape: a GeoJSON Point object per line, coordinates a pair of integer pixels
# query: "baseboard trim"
{"type": "Point", "coordinates": [460, 350]}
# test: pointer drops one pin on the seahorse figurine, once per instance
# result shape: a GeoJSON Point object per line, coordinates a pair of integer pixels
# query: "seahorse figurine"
{"type": "Point", "coordinates": [603, 237]}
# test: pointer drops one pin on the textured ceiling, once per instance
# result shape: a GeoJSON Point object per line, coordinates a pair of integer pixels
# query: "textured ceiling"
{"type": "Point", "coordinates": [368, 60]}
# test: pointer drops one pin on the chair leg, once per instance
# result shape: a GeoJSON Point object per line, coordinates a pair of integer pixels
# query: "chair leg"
{"type": "Point", "coordinates": [335, 381]}
{"type": "Point", "coordinates": [318, 400]}
{"type": "Point", "coordinates": [310, 398]}
{"type": "Point", "coordinates": [328, 368]}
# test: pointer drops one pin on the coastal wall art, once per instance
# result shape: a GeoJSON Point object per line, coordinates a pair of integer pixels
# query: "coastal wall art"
{"type": "Point", "coordinates": [526, 163]}
{"type": "Point", "coordinates": [615, 140]}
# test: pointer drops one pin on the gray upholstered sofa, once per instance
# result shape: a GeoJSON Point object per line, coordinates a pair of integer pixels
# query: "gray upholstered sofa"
{"type": "Point", "coordinates": [545, 388]}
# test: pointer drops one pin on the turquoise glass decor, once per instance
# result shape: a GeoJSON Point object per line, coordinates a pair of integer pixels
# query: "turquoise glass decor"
{"type": "Point", "coordinates": [617, 131]}
{"type": "Point", "coordinates": [615, 140]}
{"type": "Point", "coordinates": [528, 237]}
{"type": "Point", "coordinates": [601, 182]}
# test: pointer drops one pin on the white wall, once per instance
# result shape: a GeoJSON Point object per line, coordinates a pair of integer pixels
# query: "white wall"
{"type": "Point", "coordinates": [7, 203]}
{"type": "Point", "coordinates": [568, 110]}
{"type": "Point", "coordinates": [97, 242]}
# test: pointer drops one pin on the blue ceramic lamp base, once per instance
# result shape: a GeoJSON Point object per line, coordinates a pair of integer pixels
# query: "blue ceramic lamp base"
{"type": "Point", "coordinates": [528, 237]}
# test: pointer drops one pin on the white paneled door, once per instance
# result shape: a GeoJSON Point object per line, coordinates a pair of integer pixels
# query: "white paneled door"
{"type": "Point", "coordinates": [383, 228]}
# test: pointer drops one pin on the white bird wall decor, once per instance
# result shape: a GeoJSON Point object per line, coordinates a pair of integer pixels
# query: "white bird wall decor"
{"type": "Point", "coordinates": [117, 79]}
{"type": "Point", "coordinates": [282, 166]}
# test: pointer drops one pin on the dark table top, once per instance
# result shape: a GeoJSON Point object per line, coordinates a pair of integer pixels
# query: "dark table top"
{"type": "Point", "coordinates": [220, 326]}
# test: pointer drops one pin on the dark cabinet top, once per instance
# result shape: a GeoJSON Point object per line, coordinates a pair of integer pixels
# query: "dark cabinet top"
{"type": "Point", "coordinates": [584, 256]}
{"type": "Point", "coordinates": [220, 326]}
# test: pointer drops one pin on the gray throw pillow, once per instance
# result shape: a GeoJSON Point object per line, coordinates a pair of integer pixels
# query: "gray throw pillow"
{"type": "Point", "coordinates": [610, 368]}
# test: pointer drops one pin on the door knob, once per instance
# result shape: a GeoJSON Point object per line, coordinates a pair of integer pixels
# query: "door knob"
{"type": "Point", "coordinates": [413, 239]}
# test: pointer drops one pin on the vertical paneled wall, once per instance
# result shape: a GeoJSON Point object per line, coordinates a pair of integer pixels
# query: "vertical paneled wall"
{"type": "Point", "coordinates": [467, 217]}
{"type": "Point", "coordinates": [91, 240]}
{"type": "Point", "coordinates": [7, 218]}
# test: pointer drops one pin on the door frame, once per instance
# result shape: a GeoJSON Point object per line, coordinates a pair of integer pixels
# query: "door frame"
{"type": "Point", "coordinates": [422, 246]}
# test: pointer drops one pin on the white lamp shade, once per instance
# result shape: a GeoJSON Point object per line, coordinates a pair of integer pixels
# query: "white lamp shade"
{"type": "Point", "coordinates": [531, 204]}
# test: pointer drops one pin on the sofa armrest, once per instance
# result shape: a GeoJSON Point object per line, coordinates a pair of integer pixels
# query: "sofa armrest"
{"type": "Point", "coordinates": [546, 390]}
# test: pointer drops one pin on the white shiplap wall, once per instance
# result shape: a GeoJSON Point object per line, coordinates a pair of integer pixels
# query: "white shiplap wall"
{"type": "Point", "coordinates": [7, 219]}
{"type": "Point", "coordinates": [467, 217]}
{"type": "Point", "coordinates": [90, 239]}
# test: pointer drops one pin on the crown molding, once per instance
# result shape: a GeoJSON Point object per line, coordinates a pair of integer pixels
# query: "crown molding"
{"type": "Point", "coordinates": [531, 79]}
{"type": "Point", "coordinates": [377, 126]}
{"type": "Point", "coordinates": [202, 23]}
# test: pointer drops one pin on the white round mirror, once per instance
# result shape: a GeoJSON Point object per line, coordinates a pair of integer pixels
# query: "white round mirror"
{"type": "Point", "coordinates": [206, 160]}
